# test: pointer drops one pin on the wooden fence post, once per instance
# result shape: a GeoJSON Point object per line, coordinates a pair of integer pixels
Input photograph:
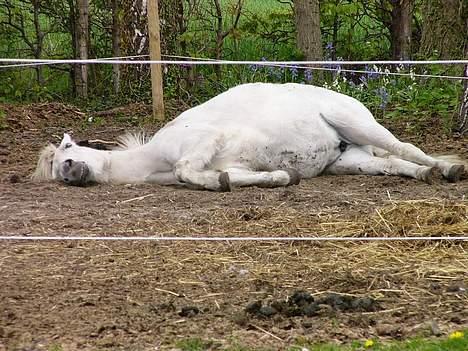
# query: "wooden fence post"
{"type": "Point", "coordinates": [155, 54]}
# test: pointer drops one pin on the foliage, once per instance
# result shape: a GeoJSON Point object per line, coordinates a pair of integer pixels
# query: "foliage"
{"type": "Point", "coordinates": [3, 122]}
{"type": "Point", "coordinates": [351, 30]}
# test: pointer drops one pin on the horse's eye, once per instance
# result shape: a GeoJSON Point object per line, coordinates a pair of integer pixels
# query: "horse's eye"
{"type": "Point", "coordinates": [67, 145]}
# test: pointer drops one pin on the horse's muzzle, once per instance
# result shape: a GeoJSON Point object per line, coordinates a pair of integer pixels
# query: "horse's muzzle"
{"type": "Point", "coordinates": [74, 172]}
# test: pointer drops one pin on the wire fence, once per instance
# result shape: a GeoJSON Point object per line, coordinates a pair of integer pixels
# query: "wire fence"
{"type": "Point", "coordinates": [191, 61]}
{"type": "Point", "coordinates": [231, 238]}
{"type": "Point", "coordinates": [334, 66]}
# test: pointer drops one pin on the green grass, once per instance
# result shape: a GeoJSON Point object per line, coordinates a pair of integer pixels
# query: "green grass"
{"type": "Point", "coordinates": [445, 344]}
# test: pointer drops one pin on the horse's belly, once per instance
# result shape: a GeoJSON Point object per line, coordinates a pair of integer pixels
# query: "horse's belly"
{"type": "Point", "coordinates": [309, 162]}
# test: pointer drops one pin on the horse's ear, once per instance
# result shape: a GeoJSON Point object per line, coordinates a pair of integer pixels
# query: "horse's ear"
{"type": "Point", "coordinates": [66, 139]}
{"type": "Point", "coordinates": [44, 164]}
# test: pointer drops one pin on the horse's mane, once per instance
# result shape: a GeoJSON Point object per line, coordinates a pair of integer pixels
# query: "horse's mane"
{"type": "Point", "coordinates": [44, 164]}
{"type": "Point", "coordinates": [132, 140]}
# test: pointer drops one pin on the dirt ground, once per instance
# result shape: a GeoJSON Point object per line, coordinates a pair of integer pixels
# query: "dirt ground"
{"type": "Point", "coordinates": [81, 295]}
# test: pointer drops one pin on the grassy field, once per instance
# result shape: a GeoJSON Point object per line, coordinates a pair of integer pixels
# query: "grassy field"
{"type": "Point", "coordinates": [457, 341]}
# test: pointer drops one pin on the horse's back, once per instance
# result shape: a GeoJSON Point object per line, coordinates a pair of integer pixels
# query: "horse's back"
{"type": "Point", "coordinates": [267, 104]}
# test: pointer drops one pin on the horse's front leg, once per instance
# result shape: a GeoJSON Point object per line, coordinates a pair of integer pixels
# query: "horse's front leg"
{"type": "Point", "coordinates": [193, 168]}
{"type": "Point", "coordinates": [163, 178]}
{"type": "Point", "coordinates": [244, 177]}
{"type": "Point", "coordinates": [193, 175]}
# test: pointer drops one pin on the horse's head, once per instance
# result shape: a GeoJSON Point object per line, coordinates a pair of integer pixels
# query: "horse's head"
{"type": "Point", "coordinates": [69, 163]}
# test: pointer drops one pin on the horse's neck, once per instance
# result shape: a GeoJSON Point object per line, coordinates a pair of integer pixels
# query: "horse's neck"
{"type": "Point", "coordinates": [132, 166]}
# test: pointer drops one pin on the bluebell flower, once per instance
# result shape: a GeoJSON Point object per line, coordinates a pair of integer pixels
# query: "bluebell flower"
{"type": "Point", "coordinates": [253, 68]}
{"type": "Point", "coordinates": [363, 80]}
{"type": "Point", "coordinates": [308, 75]}
{"type": "Point", "coordinates": [294, 72]}
{"type": "Point", "coordinates": [383, 94]}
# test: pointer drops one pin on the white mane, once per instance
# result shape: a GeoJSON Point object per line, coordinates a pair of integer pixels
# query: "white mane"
{"type": "Point", "coordinates": [132, 140]}
{"type": "Point", "coordinates": [44, 164]}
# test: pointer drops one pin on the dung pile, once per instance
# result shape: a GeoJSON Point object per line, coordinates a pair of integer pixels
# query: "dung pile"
{"type": "Point", "coordinates": [301, 303]}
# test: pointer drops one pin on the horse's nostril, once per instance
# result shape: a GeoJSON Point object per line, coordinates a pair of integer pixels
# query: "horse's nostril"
{"type": "Point", "coordinates": [65, 180]}
{"type": "Point", "coordinates": [69, 162]}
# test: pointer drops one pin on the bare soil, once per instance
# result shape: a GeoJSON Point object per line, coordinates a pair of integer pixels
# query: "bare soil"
{"type": "Point", "coordinates": [151, 295]}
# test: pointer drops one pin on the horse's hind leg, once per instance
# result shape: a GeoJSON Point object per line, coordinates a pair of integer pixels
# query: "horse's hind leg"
{"type": "Point", "coordinates": [369, 132]}
{"type": "Point", "coordinates": [358, 160]}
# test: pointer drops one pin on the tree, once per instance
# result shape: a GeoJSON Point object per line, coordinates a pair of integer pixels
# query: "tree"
{"type": "Point", "coordinates": [443, 30]}
{"type": "Point", "coordinates": [115, 44]}
{"type": "Point", "coordinates": [309, 39]}
{"type": "Point", "coordinates": [400, 29]}
{"type": "Point", "coordinates": [82, 47]}
{"type": "Point", "coordinates": [462, 122]}
{"type": "Point", "coordinates": [16, 16]}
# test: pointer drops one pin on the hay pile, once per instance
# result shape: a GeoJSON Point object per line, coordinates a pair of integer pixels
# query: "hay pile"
{"type": "Point", "coordinates": [402, 218]}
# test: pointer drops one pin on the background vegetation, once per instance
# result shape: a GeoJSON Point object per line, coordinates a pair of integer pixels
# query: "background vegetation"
{"type": "Point", "coordinates": [235, 30]}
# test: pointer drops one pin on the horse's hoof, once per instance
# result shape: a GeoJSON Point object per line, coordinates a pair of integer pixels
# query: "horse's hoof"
{"type": "Point", "coordinates": [224, 182]}
{"type": "Point", "coordinates": [294, 176]}
{"type": "Point", "coordinates": [430, 175]}
{"type": "Point", "coordinates": [455, 173]}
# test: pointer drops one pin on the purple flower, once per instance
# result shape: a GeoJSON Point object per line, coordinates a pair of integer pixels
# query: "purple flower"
{"type": "Point", "coordinates": [371, 73]}
{"type": "Point", "coordinates": [253, 68]}
{"type": "Point", "coordinates": [294, 72]}
{"type": "Point", "coordinates": [276, 72]}
{"type": "Point", "coordinates": [383, 94]}
{"type": "Point", "coordinates": [309, 75]}
{"type": "Point", "coordinates": [363, 80]}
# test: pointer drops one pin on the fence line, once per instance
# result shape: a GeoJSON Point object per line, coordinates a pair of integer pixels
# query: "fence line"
{"type": "Point", "coordinates": [228, 62]}
{"type": "Point", "coordinates": [223, 239]}
{"type": "Point", "coordinates": [263, 64]}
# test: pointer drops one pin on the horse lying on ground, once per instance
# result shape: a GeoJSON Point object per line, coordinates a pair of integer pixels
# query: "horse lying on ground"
{"type": "Point", "coordinates": [267, 135]}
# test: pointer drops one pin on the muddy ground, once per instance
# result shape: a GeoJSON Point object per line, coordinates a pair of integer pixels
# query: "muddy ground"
{"type": "Point", "coordinates": [128, 295]}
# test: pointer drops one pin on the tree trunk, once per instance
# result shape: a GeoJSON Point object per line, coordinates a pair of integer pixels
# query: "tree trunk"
{"type": "Point", "coordinates": [401, 29]}
{"type": "Point", "coordinates": [309, 40]}
{"type": "Point", "coordinates": [222, 34]}
{"type": "Point", "coordinates": [82, 50]}
{"type": "Point", "coordinates": [134, 41]}
{"type": "Point", "coordinates": [115, 45]}
{"type": "Point", "coordinates": [443, 33]}
{"type": "Point", "coordinates": [39, 41]}
{"type": "Point", "coordinates": [462, 122]}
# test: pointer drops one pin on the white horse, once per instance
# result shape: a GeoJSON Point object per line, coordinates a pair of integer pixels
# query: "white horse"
{"type": "Point", "coordinates": [267, 135]}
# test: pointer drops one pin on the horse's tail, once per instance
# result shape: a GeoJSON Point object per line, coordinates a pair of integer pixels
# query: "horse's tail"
{"type": "Point", "coordinates": [132, 140]}
{"type": "Point", "coordinates": [44, 164]}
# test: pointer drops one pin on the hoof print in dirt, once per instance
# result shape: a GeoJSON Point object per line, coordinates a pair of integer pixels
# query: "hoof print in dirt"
{"type": "Point", "coordinates": [14, 178]}
{"type": "Point", "coordinates": [189, 311]}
